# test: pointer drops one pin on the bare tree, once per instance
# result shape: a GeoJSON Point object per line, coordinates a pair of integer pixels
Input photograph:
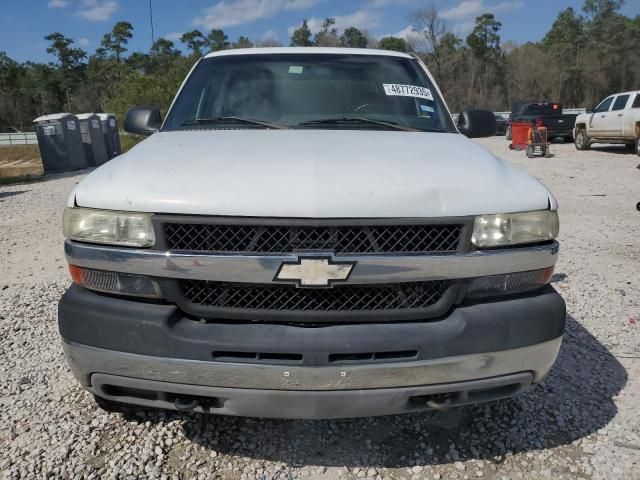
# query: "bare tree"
{"type": "Point", "coordinates": [430, 27]}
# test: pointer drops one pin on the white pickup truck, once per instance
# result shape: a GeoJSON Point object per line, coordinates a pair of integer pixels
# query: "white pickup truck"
{"type": "Point", "coordinates": [615, 120]}
{"type": "Point", "coordinates": [308, 234]}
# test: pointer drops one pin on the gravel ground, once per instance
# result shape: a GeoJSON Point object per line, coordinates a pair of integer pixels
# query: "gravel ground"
{"type": "Point", "coordinates": [582, 422]}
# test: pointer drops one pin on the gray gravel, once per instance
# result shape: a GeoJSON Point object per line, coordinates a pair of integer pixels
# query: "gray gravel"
{"type": "Point", "coordinates": [582, 422]}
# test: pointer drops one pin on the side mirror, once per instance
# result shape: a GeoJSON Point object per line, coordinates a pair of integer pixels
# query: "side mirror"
{"type": "Point", "coordinates": [476, 123]}
{"type": "Point", "coordinates": [591, 108]}
{"type": "Point", "coordinates": [142, 120]}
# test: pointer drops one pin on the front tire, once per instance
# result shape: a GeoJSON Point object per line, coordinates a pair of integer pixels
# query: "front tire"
{"type": "Point", "coordinates": [582, 140]}
{"type": "Point", "coordinates": [638, 145]}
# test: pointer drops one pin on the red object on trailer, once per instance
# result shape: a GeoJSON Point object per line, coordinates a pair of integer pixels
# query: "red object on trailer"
{"type": "Point", "coordinates": [519, 135]}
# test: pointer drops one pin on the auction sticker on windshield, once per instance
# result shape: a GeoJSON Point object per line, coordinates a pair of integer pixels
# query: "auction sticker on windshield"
{"type": "Point", "coordinates": [397, 90]}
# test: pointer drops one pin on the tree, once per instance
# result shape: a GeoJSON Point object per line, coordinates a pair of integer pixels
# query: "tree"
{"type": "Point", "coordinates": [69, 58]}
{"type": "Point", "coordinates": [116, 40]}
{"type": "Point", "coordinates": [486, 73]}
{"type": "Point", "coordinates": [139, 62]}
{"type": "Point", "coordinates": [162, 46]}
{"type": "Point", "coordinates": [566, 34]}
{"type": "Point", "coordinates": [195, 41]}
{"type": "Point", "coordinates": [524, 60]}
{"type": "Point", "coordinates": [353, 38]}
{"type": "Point", "coordinates": [393, 43]}
{"type": "Point", "coordinates": [564, 44]}
{"type": "Point", "coordinates": [609, 41]}
{"type": "Point", "coordinates": [585, 55]}
{"type": "Point", "coordinates": [428, 23]}
{"type": "Point", "coordinates": [217, 40]}
{"type": "Point", "coordinates": [302, 36]}
{"type": "Point", "coordinates": [268, 42]}
{"type": "Point", "coordinates": [243, 42]}
{"type": "Point", "coordinates": [601, 8]}
{"type": "Point", "coordinates": [484, 40]}
{"type": "Point", "coordinates": [328, 34]}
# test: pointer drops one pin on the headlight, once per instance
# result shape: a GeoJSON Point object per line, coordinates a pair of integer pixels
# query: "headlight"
{"type": "Point", "coordinates": [515, 228]}
{"type": "Point", "coordinates": [128, 229]}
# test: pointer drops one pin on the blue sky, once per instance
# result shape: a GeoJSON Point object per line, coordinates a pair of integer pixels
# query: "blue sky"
{"type": "Point", "coordinates": [22, 28]}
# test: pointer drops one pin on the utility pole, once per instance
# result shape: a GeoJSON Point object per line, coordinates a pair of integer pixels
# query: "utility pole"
{"type": "Point", "coordinates": [153, 40]}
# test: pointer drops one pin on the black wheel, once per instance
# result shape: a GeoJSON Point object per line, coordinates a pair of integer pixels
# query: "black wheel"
{"type": "Point", "coordinates": [638, 146]}
{"type": "Point", "coordinates": [582, 141]}
{"type": "Point", "coordinates": [507, 132]}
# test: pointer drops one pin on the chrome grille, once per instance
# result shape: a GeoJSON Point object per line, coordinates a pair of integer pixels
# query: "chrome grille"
{"type": "Point", "coordinates": [286, 239]}
{"type": "Point", "coordinates": [343, 298]}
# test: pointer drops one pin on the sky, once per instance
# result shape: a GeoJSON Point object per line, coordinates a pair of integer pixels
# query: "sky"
{"type": "Point", "coordinates": [24, 24]}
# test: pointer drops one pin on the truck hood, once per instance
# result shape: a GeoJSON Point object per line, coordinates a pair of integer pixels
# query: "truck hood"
{"type": "Point", "coordinates": [310, 174]}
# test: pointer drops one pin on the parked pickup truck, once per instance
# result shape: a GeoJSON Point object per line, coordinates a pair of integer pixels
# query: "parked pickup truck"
{"type": "Point", "coordinates": [309, 235]}
{"type": "Point", "coordinates": [544, 114]}
{"type": "Point", "coordinates": [615, 120]}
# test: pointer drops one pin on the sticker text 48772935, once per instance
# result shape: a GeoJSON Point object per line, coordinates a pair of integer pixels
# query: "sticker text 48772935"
{"type": "Point", "coordinates": [397, 90]}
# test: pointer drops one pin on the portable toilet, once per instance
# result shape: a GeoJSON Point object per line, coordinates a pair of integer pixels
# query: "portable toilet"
{"type": "Point", "coordinates": [60, 143]}
{"type": "Point", "coordinates": [111, 135]}
{"type": "Point", "coordinates": [93, 139]}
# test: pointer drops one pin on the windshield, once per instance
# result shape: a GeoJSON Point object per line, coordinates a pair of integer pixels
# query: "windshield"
{"type": "Point", "coordinates": [320, 91]}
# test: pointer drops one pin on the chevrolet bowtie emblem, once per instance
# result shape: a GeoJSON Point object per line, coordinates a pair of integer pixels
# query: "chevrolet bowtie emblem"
{"type": "Point", "coordinates": [314, 272]}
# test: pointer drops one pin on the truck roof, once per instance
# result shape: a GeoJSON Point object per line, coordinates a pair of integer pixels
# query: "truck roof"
{"type": "Point", "coordinates": [306, 50]}
{"type": "Point", "coordinates": [53, 116]}
{"type": "Point", "coordinates": [624, 93]}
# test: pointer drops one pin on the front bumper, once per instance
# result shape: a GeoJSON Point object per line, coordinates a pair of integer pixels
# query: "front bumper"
{"type": "Point", "coordinates": [149, 354]}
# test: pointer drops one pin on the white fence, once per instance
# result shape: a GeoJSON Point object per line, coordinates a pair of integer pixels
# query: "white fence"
{"type": "Point", "coordinates": [26, 138]}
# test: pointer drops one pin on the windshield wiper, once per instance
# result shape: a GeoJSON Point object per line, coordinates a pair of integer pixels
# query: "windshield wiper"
{"type": "Point", "coordinates": [236, 120]}
{"type": "Point", "coordinates": [356, 121]}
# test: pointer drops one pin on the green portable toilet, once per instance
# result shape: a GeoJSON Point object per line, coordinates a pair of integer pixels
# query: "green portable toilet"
{"type": "Point", "coordinates": [93, 139]}
{"type": "Point", "coordinates": [60, 143]}
{"type": "Point", "coordinates": [111, 135]}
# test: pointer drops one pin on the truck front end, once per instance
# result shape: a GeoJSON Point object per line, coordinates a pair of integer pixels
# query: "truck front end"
{"type": "Point", "coordinates": [311, 268]}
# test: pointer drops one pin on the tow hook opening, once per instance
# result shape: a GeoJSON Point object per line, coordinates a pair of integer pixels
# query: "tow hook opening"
{"type": "Point", "coordinates": [185, 403]}
{"type": "Point", "coordinates": [443, 401]}
{"type": "Point", "coordinates": [440, 401]}
{"type": "Point", "coordinates": [182, 402]}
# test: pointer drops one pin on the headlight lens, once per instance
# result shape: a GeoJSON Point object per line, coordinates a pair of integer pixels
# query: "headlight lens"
{"type": "Point", "coordinates": [515, 228]}
{"type": "Point", "coordinates": [110, 227]}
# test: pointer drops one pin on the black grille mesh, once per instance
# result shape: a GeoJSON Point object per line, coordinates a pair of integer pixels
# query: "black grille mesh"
{"type": "Point", "coordinates": [286, 239]}
{"type": "Point", "coordinates": [343, 298]}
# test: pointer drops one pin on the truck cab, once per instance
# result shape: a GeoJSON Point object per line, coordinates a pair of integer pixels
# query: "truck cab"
{"type": "Point", "coordinates": [308, 234]}
{"type": "Point", "coordinates": [616, 120]}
